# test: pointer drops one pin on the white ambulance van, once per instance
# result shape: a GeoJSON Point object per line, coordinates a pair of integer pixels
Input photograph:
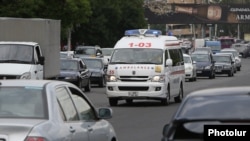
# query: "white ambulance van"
{"type": "Point", "coordinates": [145, 65]}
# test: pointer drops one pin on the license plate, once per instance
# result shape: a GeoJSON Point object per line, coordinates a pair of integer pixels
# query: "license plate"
{"type": "Point", "coordinates": [217, 70]}
{"type": "Point", "coordinates": [198, 72]}
{"type": "Point", "coordinates": [132, 94]}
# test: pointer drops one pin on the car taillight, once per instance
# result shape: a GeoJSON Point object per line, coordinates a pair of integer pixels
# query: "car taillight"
{"type": "Point", "coordinates": [35, 139]}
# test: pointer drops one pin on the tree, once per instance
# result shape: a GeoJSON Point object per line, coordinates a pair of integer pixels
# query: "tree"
{"type": "Point", "coordinates": [109, 21]}
{"type": "Point", "coordinates": [68, 11]}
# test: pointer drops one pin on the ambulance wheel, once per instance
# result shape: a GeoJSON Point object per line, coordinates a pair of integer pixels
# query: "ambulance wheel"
{"type": "Point", "coordinates": [113, 101]}
{"type": "Point", "coordinates": [179, 98]}
{"type": "Point", "coordinates": [166, 100]}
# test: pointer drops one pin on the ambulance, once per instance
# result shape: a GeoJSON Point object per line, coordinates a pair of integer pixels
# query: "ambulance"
{"type": "Point", "coordinates": [145, 65]}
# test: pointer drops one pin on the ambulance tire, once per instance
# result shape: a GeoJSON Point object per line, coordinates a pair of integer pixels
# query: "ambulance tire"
{"type": "Point", "coordinates": [179, 98]}
{"type": "Point", "coordinates": [113, 101]}
{"type": "Point", "coordinates": [166, 100]}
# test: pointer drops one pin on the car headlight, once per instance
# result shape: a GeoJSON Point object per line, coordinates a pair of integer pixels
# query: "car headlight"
{"type": "Point", "coordinates": [111, 78]}
{"type": "Point", "coordinates": [26, 75]}
{"type": "Point", "coordinates": [158, 78]}
{"type": "Point", "coordinates": [207, 67]}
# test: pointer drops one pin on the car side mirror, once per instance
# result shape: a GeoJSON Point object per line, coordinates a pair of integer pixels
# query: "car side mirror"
{"type": "Point", "coordinates": [105, 113]}
{"type": "Point", "coordinates": [169, 62]}
{"type": "Point", "coordinates": [41, 60]}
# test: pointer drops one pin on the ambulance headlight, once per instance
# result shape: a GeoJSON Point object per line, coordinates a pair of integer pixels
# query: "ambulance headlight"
{"type": "Point", "coordinates": [111, 78]}
{"type": "Point", "coordinates": [158, 78]}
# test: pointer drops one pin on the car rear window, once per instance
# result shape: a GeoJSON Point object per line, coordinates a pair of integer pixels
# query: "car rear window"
{"type": "Point", "coordinates": [219, 107]}
{"type": "Point", "coordinates": [22, 102]}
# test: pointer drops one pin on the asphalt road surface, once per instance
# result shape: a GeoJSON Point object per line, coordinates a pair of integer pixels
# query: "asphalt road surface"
{"type": "Point", "coordinates": [144, 120]}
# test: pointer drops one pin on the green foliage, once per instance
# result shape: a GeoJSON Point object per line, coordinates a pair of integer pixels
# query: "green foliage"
{"type": "Point", "coordinates": [109, 20]}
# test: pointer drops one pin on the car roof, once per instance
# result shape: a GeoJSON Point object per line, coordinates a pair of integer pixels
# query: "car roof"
{"type": "Point", "coordinates": [29, 83]}
{"type": "Point", "coordinates": [19, 43]}
{"type": "Point", "coordinates": [200, 52]}
{"type": "Point", "coordinates": [71, 58]}
{"type": "Point", "coordinates": [221, 91]}
{"type": "Point", "coordinates": [88, 47]}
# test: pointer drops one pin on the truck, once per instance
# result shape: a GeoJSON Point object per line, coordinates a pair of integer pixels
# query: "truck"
{"type": "Point", "coordinates": [214, 45]}
{"type": "Point", "coordinates": [29, 48]}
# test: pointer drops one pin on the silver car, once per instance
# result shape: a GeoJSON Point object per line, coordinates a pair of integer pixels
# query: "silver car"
{"type": "Point", "coordinates": [48, 110]}
{"type": "Point", "coordinates": [236, 55]}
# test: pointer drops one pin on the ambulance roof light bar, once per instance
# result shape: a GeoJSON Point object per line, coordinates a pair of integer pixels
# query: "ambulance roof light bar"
{"type": "Point", "coordinates": [145, 32]}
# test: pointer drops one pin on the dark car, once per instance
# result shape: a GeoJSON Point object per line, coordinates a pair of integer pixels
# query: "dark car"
{"type": "Point", "coordinates": [215, 106]}
{"type": "Point", "coordinates": [75, 71]}
{"type": "Point", "coordinates": [204, 64]}
{"type": "Point", "coordinates": [224, 64]}
{"type": "Point", "coordinates": [88, 51]}
{"type": "Point", "coordinates": [97, 68]}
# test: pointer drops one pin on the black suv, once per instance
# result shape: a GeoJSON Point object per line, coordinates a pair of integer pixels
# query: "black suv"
{"type": "Point", "coordinates": [75, 71]}
{"type": "Point", "coordinates": [205, 65]}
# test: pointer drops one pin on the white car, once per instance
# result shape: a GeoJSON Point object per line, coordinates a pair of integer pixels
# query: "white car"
{"type": "Point", "coordinates": [49, 110]}
{"type": "Point", "coordinates": [190, 68]}
{"type": "Point", "coordinates": [237, 56]}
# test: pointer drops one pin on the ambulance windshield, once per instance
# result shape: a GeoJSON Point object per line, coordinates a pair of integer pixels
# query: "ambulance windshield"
{"type": "Point", "coordinates": [137, 56]}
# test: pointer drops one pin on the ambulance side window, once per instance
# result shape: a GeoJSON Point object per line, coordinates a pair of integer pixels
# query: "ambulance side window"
{"type": "Point", "coordinates": [176, 57]}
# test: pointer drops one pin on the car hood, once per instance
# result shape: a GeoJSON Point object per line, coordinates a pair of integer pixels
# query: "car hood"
{"type": "Point", "coordinates": [14, 68]}
{"type": "Point", "coordinates": [202, 64]}
{"type": "Point", "coordinates": [95, 70]}
{"type": "Point", "coordinates": [17, 129]}
{"type": "Point", "coordinates": [221, 63]}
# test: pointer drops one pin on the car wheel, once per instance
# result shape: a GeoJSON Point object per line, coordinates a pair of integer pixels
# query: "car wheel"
{"type": "Point", "coordinates": [238, 68]}
{"type": "Point", "coordinates": [166, 100]}
{"type": "Point", "coordinates": [179, 98]}
{"type": "Point", "coordinates": [102, 82]}
{"type": "Point", "coordinates": [88, 87]}
{"type": "Point", "coordinates": [113, 101]}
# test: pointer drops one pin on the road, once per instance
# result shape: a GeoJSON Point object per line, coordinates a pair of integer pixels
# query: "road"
{"type": "Point", "coordinates": [144, 120]}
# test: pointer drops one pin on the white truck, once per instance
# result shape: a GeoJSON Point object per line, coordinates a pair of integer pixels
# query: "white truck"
{"type": "Point", "coordinates": [29, 48]}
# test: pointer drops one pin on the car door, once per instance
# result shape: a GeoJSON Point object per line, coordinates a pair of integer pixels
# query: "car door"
{"type": "Point", "coordinates": [97, 129]}
{"type": "Point", "coordinates": [78, 130]}
{"type": "Point", "coordinates": [84, 73]}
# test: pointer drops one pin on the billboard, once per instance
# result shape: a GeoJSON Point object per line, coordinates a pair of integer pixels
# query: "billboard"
{"type": "Point", "coordinates": [165, 13]}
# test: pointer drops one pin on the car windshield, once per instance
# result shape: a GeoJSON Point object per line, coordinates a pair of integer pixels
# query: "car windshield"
{"type": "Point", "coordinates": [107, 52]}
{"type": "Point", "coordinates": [221, 58]}
{"type": "Point", "coordinates": [235, 53]}
{"type": "Point", "coordinates": [187, 59]}
{"type": "Point", "coordinates": [93, 63]}
{"type": "Point", "coordinates": [16, 53]}
{"type": "Point", "coordinates": [22, 102]}
{"type": "Point", "coordinates": [213, 107]}
{"type": "Point", "coordinates": [137, 56]}
{"type": "Point", "coordinates": [200, 57]}
{"type": "Point", "coordinates": [85, 51]}
{"type": "Point", "coordinates": [69, 65]}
